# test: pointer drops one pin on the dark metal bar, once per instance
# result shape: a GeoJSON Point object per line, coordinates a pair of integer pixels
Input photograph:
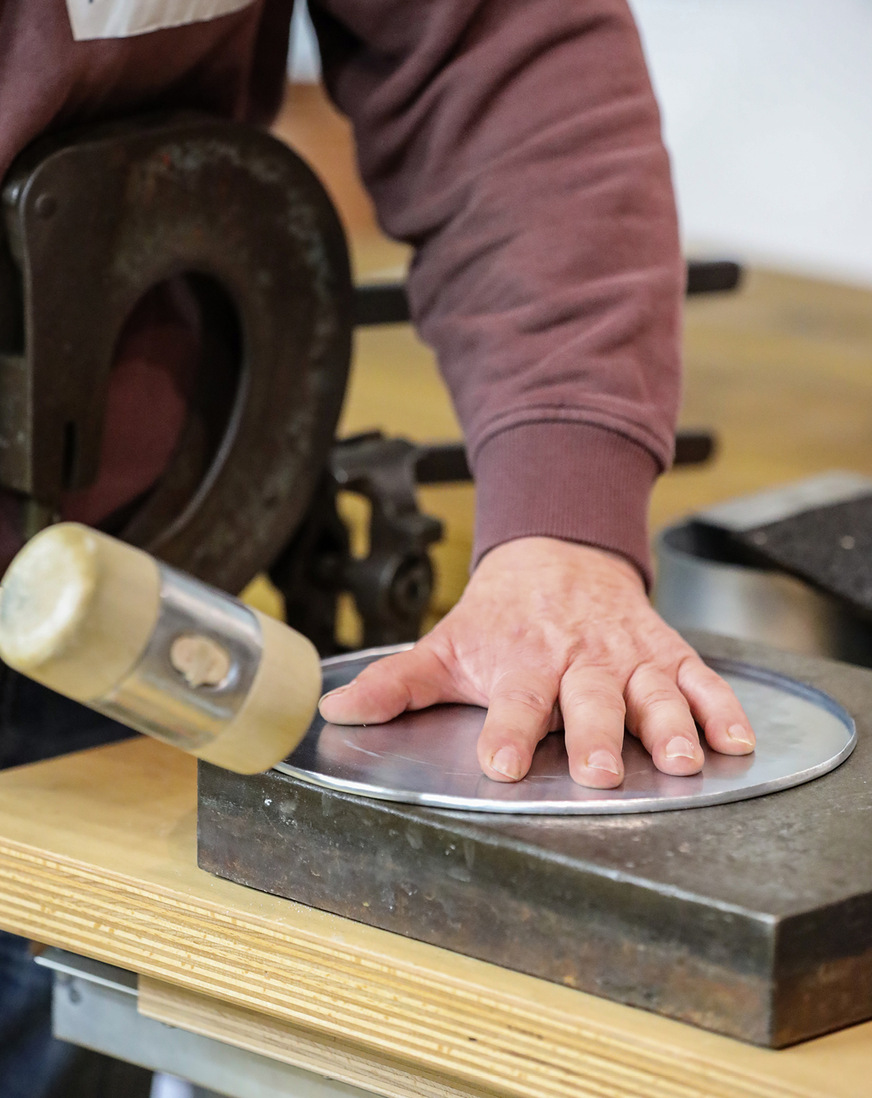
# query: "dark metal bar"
{"type": "Point", "coordinates": [387, 302]}
{"type": "Point", "coordinates": [444, 463]}
{"type": "Point", "coordinates": [694, 447]}
{"type": "Point", "coordinates": [382, 303]}
{"type": "Point", "coordinates": [715, 277]}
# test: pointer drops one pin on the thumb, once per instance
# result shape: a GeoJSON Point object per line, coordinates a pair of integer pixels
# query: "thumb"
{"type": "Point", "coordinates": [407, 680]}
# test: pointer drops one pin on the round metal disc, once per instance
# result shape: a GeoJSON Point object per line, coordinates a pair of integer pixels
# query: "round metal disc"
{"type": "Point", "coordinates": [429, 757]}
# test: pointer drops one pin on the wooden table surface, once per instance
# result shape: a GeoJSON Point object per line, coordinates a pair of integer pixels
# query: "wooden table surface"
{"type": "Point", "coordinates": [98, 856]}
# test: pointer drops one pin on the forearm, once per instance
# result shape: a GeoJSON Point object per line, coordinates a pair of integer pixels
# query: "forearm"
{"type": "Point", "coordinates": [516, 144]}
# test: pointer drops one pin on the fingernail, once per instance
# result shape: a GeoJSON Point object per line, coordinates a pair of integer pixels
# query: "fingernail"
{"type": "Point", "coordinates": [603, 760]}
{"type": "Point", "coordinates": [739, 734]}
{"type": "Point", "coordinates": [507, 761]}
{"type": "Point", "coordinates": [334, 693]}
{"type": "Point", "coordinates": [680, 748]}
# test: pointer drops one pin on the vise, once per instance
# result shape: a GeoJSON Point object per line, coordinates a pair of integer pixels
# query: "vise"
{"type": "Point", "coordinates": [114, 210]}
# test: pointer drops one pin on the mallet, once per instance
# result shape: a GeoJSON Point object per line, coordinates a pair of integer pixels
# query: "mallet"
{"type": "Point", "coordinates": [108, 625]}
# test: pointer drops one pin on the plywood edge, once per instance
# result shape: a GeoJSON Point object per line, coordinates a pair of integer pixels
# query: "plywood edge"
{"type": "Point", "coordinates": [247, 1029]}
{"type": "Point", "coordinates": [498, 1032]}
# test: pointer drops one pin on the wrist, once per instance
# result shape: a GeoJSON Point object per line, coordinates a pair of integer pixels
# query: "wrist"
{"type": "Point", "coordinates": [526, 553]}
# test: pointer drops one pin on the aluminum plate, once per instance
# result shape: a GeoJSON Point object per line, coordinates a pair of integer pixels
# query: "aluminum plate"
{"type": "Point", "coordinates": [429, 757]}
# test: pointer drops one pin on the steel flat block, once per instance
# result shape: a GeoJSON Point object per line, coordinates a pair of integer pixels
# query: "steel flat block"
{"type": "Point", "coordinates": [753, 919]}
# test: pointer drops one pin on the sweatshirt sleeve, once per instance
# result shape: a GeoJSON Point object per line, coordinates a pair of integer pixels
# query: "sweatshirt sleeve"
{"type": "Point", "coordinates": [516, 145]}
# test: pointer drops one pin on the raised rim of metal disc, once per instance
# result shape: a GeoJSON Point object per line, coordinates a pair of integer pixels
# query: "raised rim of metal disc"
{"type": "Point", "coordinates": [587, 801]}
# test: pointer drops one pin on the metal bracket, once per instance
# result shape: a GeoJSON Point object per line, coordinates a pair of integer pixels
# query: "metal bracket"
{"type": "Point", "coordinates": [96, 218]}
{"type": "Point", "coordinates": [95, 1005]}
{"type": "Point", "coordinates": [391, 586]}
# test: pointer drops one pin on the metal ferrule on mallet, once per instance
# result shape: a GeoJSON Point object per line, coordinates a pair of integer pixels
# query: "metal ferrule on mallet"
{"type": "Point", "coordinates": [108, 625]}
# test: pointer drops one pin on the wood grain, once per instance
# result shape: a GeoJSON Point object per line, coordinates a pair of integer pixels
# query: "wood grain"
{"type": "Point", "coordinates": [97, 855]}
{"type": "Point", "coordinates": [322, 1054]}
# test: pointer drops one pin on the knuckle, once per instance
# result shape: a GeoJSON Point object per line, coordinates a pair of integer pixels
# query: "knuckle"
{"type": "Point", "coordinates": [594, 696]}
{"type": "Point", "coordinates": [692, 668]}
{"type": "Point", "coordinates": [656, 698]}
{"type": "Point", "coordinates": [652, 695]}
{"type": "Point", "coordinates": [525, 698]}
{"type": "Point", "coordinates": [693, 675]}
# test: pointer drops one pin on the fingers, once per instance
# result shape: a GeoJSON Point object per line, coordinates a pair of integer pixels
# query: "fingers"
{"type": "Point", "coordinates": [661, 700]}
{"type": "Point", "coordinates": [519, 714]}
{"type": "Point", "coordinates": [661, 708]}
{"type": "Point", "coordinates": [593, 716]}
{"type": "Point", "coordinates": [658, 713]}
{"type": "Point", "coordinates": [716, 708]}
{"type": "Point", "coordinates": [408, 680]}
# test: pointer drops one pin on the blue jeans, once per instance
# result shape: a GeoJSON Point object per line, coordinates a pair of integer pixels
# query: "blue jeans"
{"type": "Point", "coordinates": [36, 724]}
{"type": "Point", "coordinates": [31, 1060]}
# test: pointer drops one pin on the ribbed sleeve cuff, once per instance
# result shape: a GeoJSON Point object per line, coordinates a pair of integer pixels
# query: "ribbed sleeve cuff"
{"type": "Point", "coordinates": [573, 481]}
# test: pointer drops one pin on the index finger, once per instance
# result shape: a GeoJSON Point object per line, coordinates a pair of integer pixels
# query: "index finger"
{"type": "Point", "coordinates": [520, 710]}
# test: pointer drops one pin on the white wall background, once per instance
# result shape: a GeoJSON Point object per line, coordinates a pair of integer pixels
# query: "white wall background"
{"type": "Point", "coordinates": [767, 108]}
{"type": "Point", "coordinates": [303, 63]}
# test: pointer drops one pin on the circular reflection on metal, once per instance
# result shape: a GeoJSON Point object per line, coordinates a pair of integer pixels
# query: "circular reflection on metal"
{"type": "Point", "coordinates": [429, 757]}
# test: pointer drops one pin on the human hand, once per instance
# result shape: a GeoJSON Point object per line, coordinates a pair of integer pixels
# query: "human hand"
{"type": "Point", "coordinates": [549, 634]}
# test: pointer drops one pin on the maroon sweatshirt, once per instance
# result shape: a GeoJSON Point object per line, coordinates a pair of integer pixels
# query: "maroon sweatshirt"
{"type": "Point", "coordinates": [516, 145]}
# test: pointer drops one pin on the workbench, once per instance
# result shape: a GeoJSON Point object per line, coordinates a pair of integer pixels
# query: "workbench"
{"type": "Point", "coordinates": [98, 858]}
